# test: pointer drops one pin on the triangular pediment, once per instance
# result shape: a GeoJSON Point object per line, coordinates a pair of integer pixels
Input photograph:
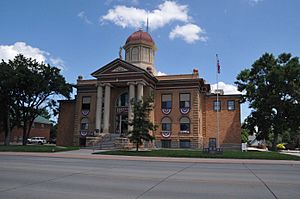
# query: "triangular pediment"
{"type": "Point", "coordinates": [118, 67]}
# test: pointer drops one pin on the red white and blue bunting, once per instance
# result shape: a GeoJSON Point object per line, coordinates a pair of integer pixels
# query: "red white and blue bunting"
{"type": "Point", "coordinates": [184, 110]}
{"type": "Point", "coordinates": [166, 134]}
{"type": "Point", "coordinates": [85, 112]}
{"type": "Point", "coordinates": [84, 133]}
{"type": "Point", "coordinates": [166, 111]}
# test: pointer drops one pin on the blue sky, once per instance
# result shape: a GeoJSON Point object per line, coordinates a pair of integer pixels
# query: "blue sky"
{"type": "Point", "coordinates": [81, 36]}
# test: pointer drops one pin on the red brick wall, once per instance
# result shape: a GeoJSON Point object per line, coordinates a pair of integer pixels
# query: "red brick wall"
{"type": "Point", "coordinates": [65, 130]}
{"type": "Point", "coordinates": [175, 115]}
{"type": "Point", "coordinates": [230, 124]}
{"type": "Point", "coordinates": [39, 130]}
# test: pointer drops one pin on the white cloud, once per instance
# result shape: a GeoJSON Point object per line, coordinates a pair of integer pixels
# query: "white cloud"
{"type": "Point", "coordinates": [166, 13]}
{"type": "Point", "coordinates": [228, 88]}
{"type": "Point", "coordinates": [126, 16]}
{"type": "Point", "coordinates": [83, 16]}
{"type": "Point", "coordinates": [189, 33]}
{"type": "Point", "coordinates": [161, 73]}
{"type": "Point", "coordinates": [8, 52]}
{"type": "Point", "coordinates": [135, 17]}
{"type": "Point", "coordinates": [57, 62]}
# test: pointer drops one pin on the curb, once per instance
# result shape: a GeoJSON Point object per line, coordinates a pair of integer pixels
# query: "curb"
{"type": "Point", "coordinates": [153, 159]}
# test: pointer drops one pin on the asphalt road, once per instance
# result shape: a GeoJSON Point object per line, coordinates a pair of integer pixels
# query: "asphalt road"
{"type": "Point", "coordinates": [66, 178]}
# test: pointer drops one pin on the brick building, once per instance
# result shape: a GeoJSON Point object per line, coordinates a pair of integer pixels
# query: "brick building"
{"type": "Point", "coordinates": [185, 109]}
{"type": "Point", "coordinates": [40, 128]}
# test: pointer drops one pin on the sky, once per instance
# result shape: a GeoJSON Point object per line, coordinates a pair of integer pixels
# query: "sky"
{"type": "Point", "coordinates": [80, 36]}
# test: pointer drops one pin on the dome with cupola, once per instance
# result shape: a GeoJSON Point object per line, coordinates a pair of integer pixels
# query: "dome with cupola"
{"type": "Point", "coordinates": [140, 50]}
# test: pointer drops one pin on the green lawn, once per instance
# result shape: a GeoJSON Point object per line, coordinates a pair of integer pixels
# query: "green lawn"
{"type": "Point", "coordinates": [200, 154]}
{"type": "Point", "coordinates": [35, 148]}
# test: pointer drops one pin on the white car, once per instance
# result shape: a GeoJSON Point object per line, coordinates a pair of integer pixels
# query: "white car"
{"type": "Point", "coordinates": [37, 140]}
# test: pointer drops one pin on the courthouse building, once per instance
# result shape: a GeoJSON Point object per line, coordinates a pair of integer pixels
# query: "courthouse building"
{"type": "Point", "coordinates": [185, 109]}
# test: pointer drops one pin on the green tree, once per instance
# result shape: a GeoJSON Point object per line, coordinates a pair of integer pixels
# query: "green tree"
{"type": "Point", "coordinates": [141, 123]}
{"type": "Point", "coordinates": [244, 135]}
{"type": "Point", "coordinates": [35, 85]}
{"type": "Point", "coordinates": [272, 88]}
{"type": "Point", "coordinates": [7, 100]}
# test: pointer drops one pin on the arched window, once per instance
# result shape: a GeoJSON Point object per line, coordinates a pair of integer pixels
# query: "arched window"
{"type": "Point", "coordinates": [135, 54]}
{"type": "Point", "coordinates": [123, 100]}
{"type": "Point", "coordinates": [84, 124]}
{"type": "Point", "coordinates": [166, 124]}
{"type": "Point", "coordinates": [184, 125]}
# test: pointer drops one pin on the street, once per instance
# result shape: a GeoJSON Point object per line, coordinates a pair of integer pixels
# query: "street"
{"type": "Point", "coordinates": [65, 178]}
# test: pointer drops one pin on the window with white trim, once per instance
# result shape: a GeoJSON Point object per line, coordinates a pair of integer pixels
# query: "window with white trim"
{"type": "Point", "coordinates": [84, 124]}
{"type": "Point", "coordinates": [86, 103]}
{"type": "Point", "coordinates": [184, 125]}
{"type": "Point", "coordinates": [166, 124]}
{"type": "Point", "coordinates": [185, 100]}
{"type": "Point", "coordinates": [166, 101]}
{"type": "Point", "coordinates": [231, 105]}
{"type": "Point", "coordinates": [217, 105]}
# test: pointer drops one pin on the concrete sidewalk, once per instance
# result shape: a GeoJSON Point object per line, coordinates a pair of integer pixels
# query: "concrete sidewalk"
{"type": "Point", "coordinates": [87, 154]}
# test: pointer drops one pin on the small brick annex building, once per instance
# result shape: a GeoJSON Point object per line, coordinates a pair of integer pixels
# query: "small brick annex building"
{"type": "Point", "coordinates": [185, 109]}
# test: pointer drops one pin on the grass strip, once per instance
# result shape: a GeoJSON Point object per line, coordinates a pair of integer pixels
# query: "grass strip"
{"type": "Point", "coordinates": [200, 154]}
{"type": "Point", "coordinates": [35, 148]}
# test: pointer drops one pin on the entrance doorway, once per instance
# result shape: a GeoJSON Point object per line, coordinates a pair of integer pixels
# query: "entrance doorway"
{"type": "Point", "coordinates": [122, 124]}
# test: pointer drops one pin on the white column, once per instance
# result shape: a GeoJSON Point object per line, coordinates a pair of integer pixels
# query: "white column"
{"type": "Point", "coordinates": [130, 107]}
{"type": "Point", "coordinates": [99, 107]}
{"type": "Point", "coordinates": [106, 108]}
{"type": "Point", "coordinates": [140, 90]}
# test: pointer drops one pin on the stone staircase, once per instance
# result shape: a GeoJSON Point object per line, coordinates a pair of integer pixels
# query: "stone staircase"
{"type": "Point", "coordinates": [108, 141]}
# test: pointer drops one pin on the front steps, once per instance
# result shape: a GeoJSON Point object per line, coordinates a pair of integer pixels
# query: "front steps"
{"type": "Point", "coordinates": [108, 141]}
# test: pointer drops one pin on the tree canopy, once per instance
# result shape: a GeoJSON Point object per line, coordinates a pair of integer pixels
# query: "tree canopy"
{"type": "Point", "coordinates": [27, 88]}
{"type": "Point", "coordinates": [272, 87]}
{"type": "Point", "coordinates": [141, 123]}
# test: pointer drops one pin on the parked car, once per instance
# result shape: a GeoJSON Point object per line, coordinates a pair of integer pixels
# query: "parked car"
{"type": "Point", "coordinates": [37, 140]}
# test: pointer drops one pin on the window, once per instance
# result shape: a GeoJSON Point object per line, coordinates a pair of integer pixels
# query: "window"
{"type": "Point", "coordinates": [145, 54]}
{"type": "Point", "coordinates": [84, 124]}
{"type": "Point", "coordinates": [231, 105]}
{"type": "Point", "coordinates": [166, 101]}
{"type": "Point", "coordinates": [212, 144]}
{"type": "Point", "coordinates": [166, 124]}
{"type": "Point", "coordinates": [184, 125]}
{"type": "Point", "coordinates": [185, 144]}
{"type": "Point", "coordinates": [217, 105]}
{"type": "Point", "coordinates": [135, 54]}
{"type": "Point", "coordinates": [123, 100]}
{"type": "Point", "coordinates": [165, 143]}
{"type": "Point", "coordinates": [185, 100]}
{"type": "Point", "coordinates": [86, 103]}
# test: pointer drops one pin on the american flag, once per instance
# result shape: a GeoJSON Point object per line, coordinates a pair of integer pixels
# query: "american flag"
{"type": "Point", "coordinates": [218, 64]}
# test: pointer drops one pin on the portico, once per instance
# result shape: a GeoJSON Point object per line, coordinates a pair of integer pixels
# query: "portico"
{"type": "Point", "coordinates": [103, 105]}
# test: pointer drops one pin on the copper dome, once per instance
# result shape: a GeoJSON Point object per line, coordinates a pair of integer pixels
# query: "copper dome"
{"type": "Point", "coordinates": [140, 36]}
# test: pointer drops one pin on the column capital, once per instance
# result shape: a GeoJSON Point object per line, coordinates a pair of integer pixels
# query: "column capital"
{"type": "Point", "coordinates": [107, 84]}
{"type": "Point", "coordinates": [99, 84]}
{"type": "Point", "coordinates": [141, 83]}
{"type": "Point", "coordinates": [131, 83]}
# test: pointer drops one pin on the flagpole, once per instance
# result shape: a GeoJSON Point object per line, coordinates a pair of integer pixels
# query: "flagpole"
{"type": "Point", "coordinates": [218, 104]}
